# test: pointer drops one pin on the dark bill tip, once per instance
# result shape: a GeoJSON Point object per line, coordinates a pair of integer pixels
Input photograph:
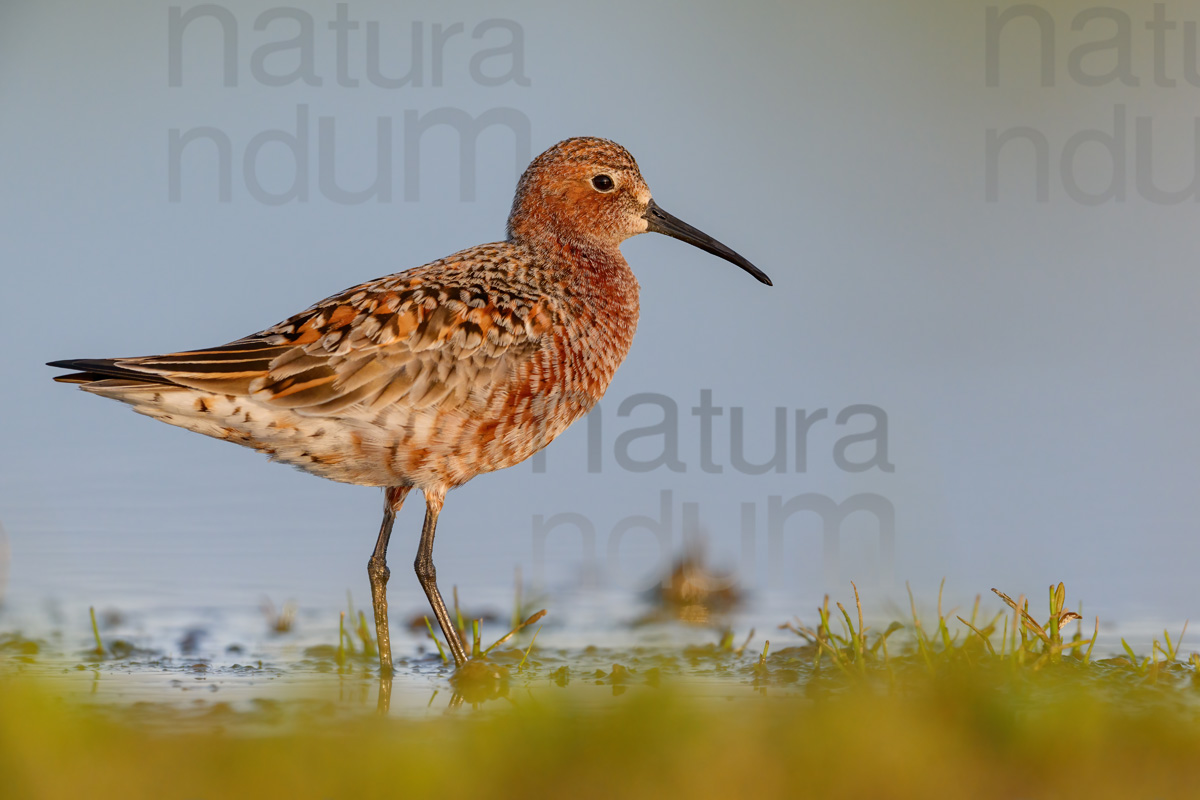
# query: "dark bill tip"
{"type": "Point", "coordinates": [659, 221]}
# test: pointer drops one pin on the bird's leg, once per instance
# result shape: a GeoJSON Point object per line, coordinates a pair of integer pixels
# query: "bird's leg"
{"type": "Point", "coordinates": [378, 572]}
{"type": "Point", "coordinates": [427, 574]}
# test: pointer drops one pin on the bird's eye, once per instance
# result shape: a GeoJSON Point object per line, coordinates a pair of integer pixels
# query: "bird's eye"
{"type": "Point", "coordinates": [603, 183]}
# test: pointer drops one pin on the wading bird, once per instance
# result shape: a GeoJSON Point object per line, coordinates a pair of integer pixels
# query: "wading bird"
{"type": "Point", "coordinates": [429, 377]}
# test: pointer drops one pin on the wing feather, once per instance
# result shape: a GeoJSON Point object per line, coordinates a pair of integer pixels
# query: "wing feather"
{"type": "Point", "coordinates": [427, 336]}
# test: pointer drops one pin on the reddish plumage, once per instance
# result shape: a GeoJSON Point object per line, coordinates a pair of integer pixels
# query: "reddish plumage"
{"type": "Point", "coordinates": [428, 377]}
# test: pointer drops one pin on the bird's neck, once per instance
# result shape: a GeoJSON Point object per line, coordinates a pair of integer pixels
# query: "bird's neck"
{"type": "Point", "coordinates": [588, 268]}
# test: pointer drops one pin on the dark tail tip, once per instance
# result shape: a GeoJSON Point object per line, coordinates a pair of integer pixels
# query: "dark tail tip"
{"type": "Point", "coordinates": [99, 369]}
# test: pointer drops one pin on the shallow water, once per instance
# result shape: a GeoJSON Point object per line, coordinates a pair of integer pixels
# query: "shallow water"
{"type": "Point", "coordinates": [179, 581]}
{"type": "Point", "coordinates": [221, 664]}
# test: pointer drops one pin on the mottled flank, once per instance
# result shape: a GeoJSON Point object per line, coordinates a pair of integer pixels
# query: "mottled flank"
{"type": "Point", "coordinates": [428, 377]}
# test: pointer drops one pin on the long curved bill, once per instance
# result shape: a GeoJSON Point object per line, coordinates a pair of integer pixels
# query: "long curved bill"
{"type": "Point", "coordinates": [659, 221]}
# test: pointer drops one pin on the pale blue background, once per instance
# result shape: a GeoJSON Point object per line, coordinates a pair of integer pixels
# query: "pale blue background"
{"type": "Point", "coordinates": [1037, 360]}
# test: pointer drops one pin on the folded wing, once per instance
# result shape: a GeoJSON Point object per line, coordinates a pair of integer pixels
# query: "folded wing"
{"type": "Point", "coordinates": [408, 339]}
